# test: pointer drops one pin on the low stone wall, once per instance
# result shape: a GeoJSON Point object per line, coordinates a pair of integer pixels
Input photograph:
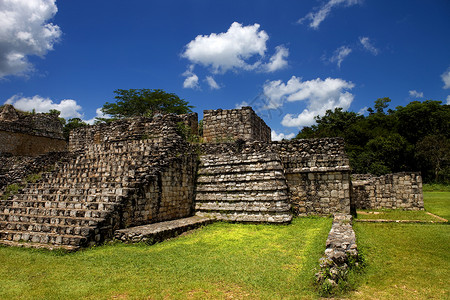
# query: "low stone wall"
{"type": "Point", "coordinates": [392, 191]}
{"type": "Point", "coordinates": [341, 252]}
{"type": "Point", "coordinates": [318, 175]}
{"type": "Point", "coordinates": [29, 134]}
{"type": "Point", "coordinates": [233, 124]}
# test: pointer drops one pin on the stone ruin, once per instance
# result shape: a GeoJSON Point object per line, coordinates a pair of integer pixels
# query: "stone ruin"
{"type": "Point", "coordinates": [119, 178]}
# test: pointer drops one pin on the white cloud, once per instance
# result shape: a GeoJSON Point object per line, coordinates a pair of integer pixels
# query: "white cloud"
{"type": "Point", "coordinates": [339, 55]}
{"type": "Point", "coordinates": [279, 136]}
{"type": "Point", "coordinates": [446, 79]}
{"type": "Point", "coordinates": [365, 41]}
{"type": "Point", "coordinates": [415, 94]}
{"type": "Point", "coordinates": [99, 114]}
{"type": "Point", "coordinates": [68, 107]}
{"type": "Point", "coordinates": [240, 48]}
{"type": "Point", "coordinates": [448, 100]}
{"type": "Point", "coordinates": [229, 50]}
{"type": "Point", "coordinates": [363, 110]}
{"type": "Point", "coordinates": [319, 94]}
{"type": "Point", "coordinates": [320, 14]}
{"type": "Point", "coordinates": [191, 81]}
{"type": "Point", "coordinates": [25, 31]}
{"type": "Point", "coordinates": [212, 83]}
{"type": "Point", "coordinates": [278, 60]}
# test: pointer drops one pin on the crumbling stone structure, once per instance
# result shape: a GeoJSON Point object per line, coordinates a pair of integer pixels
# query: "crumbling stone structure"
{"type": "Point", "coordinates": [119, 178]}
{"type": "Point", "coordinates": [126, 173]}
{"type": "Point", "coordinates": [28, 134]}
{"type": "Point", "coordinates": [399, 190]}
{"type": "Point", "coordinates": [233, 124]}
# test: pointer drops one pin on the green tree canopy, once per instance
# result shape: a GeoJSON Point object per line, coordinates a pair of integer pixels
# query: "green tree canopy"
{"type": "Point", "coordinates": [411, 138]}
{"type": "Point", "coordinates": [144, 102]}
{"type": "Point", "coordinates": [71, 124]}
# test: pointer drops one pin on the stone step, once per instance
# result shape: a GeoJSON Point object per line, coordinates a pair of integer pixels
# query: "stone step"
{"type": "Point", "coordinates": [248, 206]}
{"type": "Point", "coordinates": [76, 191]}
{"type": "Point", "coordinates": [58, 200]}
{"type": "Point", "coordinates": [56, 212]}
{"type": "Point", "coordinates": [231, 196]}
{"type": "Point", "coordinates": [42, 237]}
{"type": "Point", "coordinates": [244, 216]}
{"type": "Point", "coordinates": [248, 186]}
{"type": "Point", "coordinates": [241, 177]}
{"type": "Point", "coordinates": [158, 232]}
{"type": "Point", "coordinates": [38, 245]}
{"type": "Point", "coordinates": [60, 203]}
{"type": "Point", "coordinates": [50, 228]}
{"type": "Point", "coordinates": [238, 161]}
{"type": "Point", "coordinates": [241, 168]}
{"type": "Point", "coordinates": [60, 220]}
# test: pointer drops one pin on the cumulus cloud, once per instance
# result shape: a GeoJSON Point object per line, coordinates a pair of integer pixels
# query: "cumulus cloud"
{"type": "Point", "coordinates": [365, 41]}
{"type": "Point", "coordinates": [446, 79]}
{"type": "Point", "coordinates": [320, 95]}
{"type": "Point", "coordinates": [278, 60]}
{"type": "Point", "coordinates": [280, 136]}
{"type": "Point", "coordinates": [240, 48]}
{"type": "Point", "coordinates": [415, 94]}
{"type": "Point", "coordinates": [212, 83]}
{"type": "Point", "coordinates": [318, 16]}
{"type": "Point", "coordinates": [228, 50]}
{"type": "Point", "coordinates": [68, 107]}
{"type": "Point", "coordinates": [25, 30]}
{"type": "Point", "coordinates": [340, 54]}
{"type": "Point", "coordinates": [448, 100]}
{"type": "Point", "coordinates": [98, 114]}
{"type": "Point", "coordinates": [191, 80]}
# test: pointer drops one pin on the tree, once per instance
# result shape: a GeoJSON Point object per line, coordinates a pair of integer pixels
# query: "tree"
{"type": "Point", "coordinates": [144, 102]}
{"type": "Point", "coordinates": [435, 150]}
{"type": "Point", "coordinates": [71, 124]}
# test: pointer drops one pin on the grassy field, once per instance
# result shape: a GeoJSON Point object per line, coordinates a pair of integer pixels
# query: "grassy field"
{"type": "Point", "coordinates": [406, 261]}
{"type": "Point", "coordinates": [393, 214]}
{"type": "Point", "coordinates": [220, 261]}
{"type": "Point", "coordinates": [237, 261]}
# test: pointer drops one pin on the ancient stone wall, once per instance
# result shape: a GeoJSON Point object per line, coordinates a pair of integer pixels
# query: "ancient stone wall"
{"type": "Point", "coordinates": [399, 190]}
{"type": "Point", "coordinates": [29, 134]}
{"type": "Point", "coordinates": [165, 195]}
{"type": "Point", "coordinates": [233, 124]}
{"type": "Point", "coordinates": [318, 175]}
{"type": "Point", "coordinates": [125, 173]}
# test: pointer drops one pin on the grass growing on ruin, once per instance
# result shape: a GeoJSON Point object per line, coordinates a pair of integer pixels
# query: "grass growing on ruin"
{"type": "Point", "coordinates": [406, 261]}
{"type": "Point", "coordinates": [216, 262]}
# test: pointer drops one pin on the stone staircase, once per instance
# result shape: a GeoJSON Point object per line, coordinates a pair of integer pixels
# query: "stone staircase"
{"type": "Point", "coordinates": [244, 187]}
{"type": "Point", "coordinates": [93, 192]}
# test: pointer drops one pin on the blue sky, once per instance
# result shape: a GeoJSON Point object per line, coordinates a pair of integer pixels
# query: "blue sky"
{"type": "Point", "coordinates": [290, 60]}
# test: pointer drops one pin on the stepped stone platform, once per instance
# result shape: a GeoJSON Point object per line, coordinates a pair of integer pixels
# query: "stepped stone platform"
{"type": "Point", "coordinates": [241, 185]}
{"type": "Point", "coordinates": [116, 175]}
{"type": "Point", "coordinates": [158, 232]}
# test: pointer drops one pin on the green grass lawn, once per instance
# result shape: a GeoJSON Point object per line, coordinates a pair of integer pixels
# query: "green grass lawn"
{"type": "Point", "coordinates": [241, 261]}
{"type": "Point", "coordinates": [393, 214]}
{"type": "Point", "coordinates": [406, 261]}
{"type": "Point", "coordinates": [438, 203]}
{"type": "Point", "coordinates": [220, 261]}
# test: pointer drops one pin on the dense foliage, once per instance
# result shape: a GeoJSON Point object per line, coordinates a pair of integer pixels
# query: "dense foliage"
{"type": "Point", "coordinates": [411, 138]}
{"type": "Point", "coordinates": [144, 102]}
